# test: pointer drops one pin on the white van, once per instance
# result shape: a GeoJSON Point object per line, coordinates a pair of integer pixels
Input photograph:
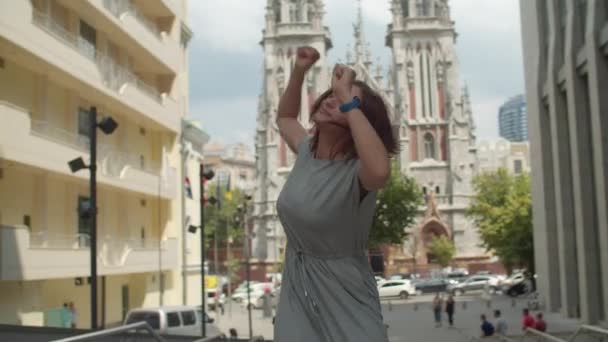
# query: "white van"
{"type": "Point", "coordinates": [173, 320]}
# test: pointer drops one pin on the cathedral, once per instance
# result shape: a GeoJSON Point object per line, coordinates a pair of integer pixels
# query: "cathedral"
{"type": "Point", "coordinates": [429, 108]}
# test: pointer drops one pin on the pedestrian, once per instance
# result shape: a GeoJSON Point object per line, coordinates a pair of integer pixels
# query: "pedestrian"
{"type": "Point", "coordinates": [501, 323]}
{"type": "Point", "coordinates": [527, 320]}
{"type": "Point", "coordinates": [540, 324]}
{"type": "Point", "coordinates": [487, 329]}
{"type": "Point", "coordinates": [233, 335]}
{"type": "Point", "coordinates": [74, 315]}
{"type": "Point", "coordinates": [449, 309]}
{"type": "Point", "coordinates": [66, 316]}
{"type": "Point", "coordinates": [437, 305]}
{"type": "Point", "coordinates": [327, 205]}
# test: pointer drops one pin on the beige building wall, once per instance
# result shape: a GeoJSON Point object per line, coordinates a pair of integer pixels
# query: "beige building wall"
{"type": "Point", "coordinates": [501, 153]}
{"type": "Point", "coordinates": [565, 46]}
{"type": "Point", "coordinates": [129, 60]}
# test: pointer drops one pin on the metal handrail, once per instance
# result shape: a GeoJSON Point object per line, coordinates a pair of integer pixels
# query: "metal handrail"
{"type": "Point", "coordinates": [113, 331]}
{"type": "Point", "coordinates": [544, 336]}
{"type": "Point", "coordinates": [588, 329]}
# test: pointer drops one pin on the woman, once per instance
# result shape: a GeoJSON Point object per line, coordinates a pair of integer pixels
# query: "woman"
{"type": "Point", "coordinates": [326, 208]}
{"type": "Point", "coordinates": [449, 309]}
{"type": "Point", "coordinates": [437, 304]}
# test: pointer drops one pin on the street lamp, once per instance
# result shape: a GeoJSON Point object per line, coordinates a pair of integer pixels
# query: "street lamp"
{"type": "Point", "coordinates": [107, 126]}
{"type": "Point", "coordinates": [242, 208]}
{"type": "Point", "coordinates": [204, 176]}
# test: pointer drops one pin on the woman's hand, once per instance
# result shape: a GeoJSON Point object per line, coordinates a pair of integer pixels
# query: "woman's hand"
{"type": "Point", "coordinates": [342, 82]}
{"type": "Point", "coordinates": [306, 56]}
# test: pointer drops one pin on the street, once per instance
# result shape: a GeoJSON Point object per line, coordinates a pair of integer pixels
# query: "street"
{"type": "Point", "coordinates": [411, 320]}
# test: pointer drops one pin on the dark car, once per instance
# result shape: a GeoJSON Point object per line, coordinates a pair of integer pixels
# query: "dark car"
{"type": "Point", "coordinates": [431, 286]}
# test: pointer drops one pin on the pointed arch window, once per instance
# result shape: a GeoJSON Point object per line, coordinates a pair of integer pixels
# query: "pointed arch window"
{"type": "Point", "coordinates": [405, 7]}
{"type": "Point", "coordinates": [423, 8]}
{"type": "Point", "coordinates": [429, 146]}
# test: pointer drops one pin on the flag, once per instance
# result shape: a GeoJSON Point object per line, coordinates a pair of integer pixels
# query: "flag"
{"type": "Point", "coordinates": [228, 193]}
{"type": "Point", "coordinates": [188, 188]}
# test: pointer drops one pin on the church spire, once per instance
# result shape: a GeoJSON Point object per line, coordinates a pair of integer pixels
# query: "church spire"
{"type": "Point", "coordinates": [361, 55]}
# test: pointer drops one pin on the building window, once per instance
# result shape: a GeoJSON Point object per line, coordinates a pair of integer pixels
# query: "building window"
{"type": "Point", "coordinates": [437, 190]}
{"type": "Point", "coordinates": [83, 122]}
{"type": "Point", "coordinates": [424, 190]}
{"type": "Point", "coordinates": [429, 146]}
{"type": "Point", "coordinates": [142, 162]}
{"type": "Point", "coordinates": [517, 166]}
{"type": "Point", "coordinates": [582, 13]}
{"type": "Point", "coordinates": [563, 22]}
{"type": "Point", "coordinates": [422, 8]}
{"type": "Point", "coordinates": [87, 42]}
{"type": "Point", "coordinates": [27, 221]}
{"type": "Point", "coordinates": [405, 7]}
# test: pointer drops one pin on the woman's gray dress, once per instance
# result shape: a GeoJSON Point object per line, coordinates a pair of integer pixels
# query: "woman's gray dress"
{"type": "Point", "coordinates": [328, 293]}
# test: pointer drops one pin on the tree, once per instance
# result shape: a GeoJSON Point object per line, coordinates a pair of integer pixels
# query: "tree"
{"type": "Point", "coordinates": [502, 211]}
{"type": "Point", "coordinates": [221, 219]}
{"type": "Point", "coordinates": [396, 208]}
{"type": "Point", "coordinates": [443, 249]}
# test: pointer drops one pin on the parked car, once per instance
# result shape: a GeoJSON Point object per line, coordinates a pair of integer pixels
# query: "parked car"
{"type": "Point", "coordinates": [173, 320]}
{"type": "Point", "coordinates": [396, 288]}
{"type": "Point", "coordinates": [456, 277]}
{"type": "Point", "coordinates": [379, 280]}
{"type": "Point", "coordinates": [241, 295]}
{"type": "Point", "coordinates": [431, 285]}
{"type": "Point", "coordinates": [515, 278]}
{"type": "Point", "coordinates": [257, 299]}
{"type": "Point", "coordinates": [214, 298]}
{"type": "Point", "coordinates": [402, 276]}
{"type": "Point", "coordinates": [474, 283]}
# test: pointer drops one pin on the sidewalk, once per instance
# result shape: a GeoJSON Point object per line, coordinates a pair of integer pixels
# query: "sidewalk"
{"type": "Point", "coordinates": [412, 320]}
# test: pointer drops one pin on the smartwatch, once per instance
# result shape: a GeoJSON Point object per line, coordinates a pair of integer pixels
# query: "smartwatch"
{"type": "Point", "coordinates": [346, 107]}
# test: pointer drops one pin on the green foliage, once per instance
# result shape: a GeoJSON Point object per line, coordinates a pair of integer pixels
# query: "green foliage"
{"type": "Point", "coordinates": [225, 221]}
{"type": "Point", "coordinates": [233, 266]}
{"type": "Point", "coordinates": [396, 209]}
{"type": "Point", "coordinates": [443, 249]}
{"type": "Point", "coordinates": [502, 211]}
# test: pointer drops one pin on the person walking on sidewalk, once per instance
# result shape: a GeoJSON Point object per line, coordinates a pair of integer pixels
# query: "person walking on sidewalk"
{"type": "Point", "coordinates": [449, 309]}
{"type": "Point", "coordinates": [437, 306]}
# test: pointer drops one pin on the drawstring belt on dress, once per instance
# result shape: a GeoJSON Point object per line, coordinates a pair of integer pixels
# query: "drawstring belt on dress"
{"type": "Point", "coordinates": [306, 282]}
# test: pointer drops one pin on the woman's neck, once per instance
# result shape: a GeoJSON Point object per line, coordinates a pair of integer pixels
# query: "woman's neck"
{"type": "Point", "coordinates": [331, 146]}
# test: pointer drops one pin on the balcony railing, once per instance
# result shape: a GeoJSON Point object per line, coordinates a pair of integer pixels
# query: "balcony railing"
{"type": "Point", "coordinates": [121, 7]}
{"type": "Point", "coordinates": [112, 160]}
{"type": "Point", "coordinates": [45, 239]}
{"type": "Point", "coordinates": [113, 74]}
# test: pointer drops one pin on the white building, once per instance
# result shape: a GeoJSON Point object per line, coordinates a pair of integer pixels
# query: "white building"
{"type": "Point", "coordinates": [502, 153]}
{"type": "Point", "coordinates": [565, 46]}
{"type": "Point", "coordinates": [428, 108]}
{"type": "Point", "coordinates": [57, 59]}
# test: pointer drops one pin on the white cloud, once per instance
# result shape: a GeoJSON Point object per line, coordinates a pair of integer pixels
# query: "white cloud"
{"type": "Point", "coordinates": [486, 17]}
{"type": "Point", "coordinates": [227, 121]}
{"type": "Point", "coordinates": [229, 25]}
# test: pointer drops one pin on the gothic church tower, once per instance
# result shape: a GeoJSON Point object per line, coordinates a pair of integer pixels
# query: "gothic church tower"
{"type": "Point", "coordinates": [289, 25]}
{"type": "Point", "coordinates": [435, 121]}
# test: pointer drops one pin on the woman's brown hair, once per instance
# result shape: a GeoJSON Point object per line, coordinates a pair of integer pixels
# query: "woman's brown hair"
{"type": "Point", "coordinates": [374, 109]}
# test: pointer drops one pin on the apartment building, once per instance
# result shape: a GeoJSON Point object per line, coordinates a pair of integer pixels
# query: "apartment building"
{"type": "Point", "coordinates": [59, 58]}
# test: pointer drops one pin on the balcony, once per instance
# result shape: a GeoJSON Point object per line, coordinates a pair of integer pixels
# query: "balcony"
{"type": "Point", "coordinates": [141, 31]}
{"type": "Point", "coordinates": [40, 144]}
{"type": "Point", "coordinates": [44, 255]}
{"type": "Point", "coordinates": [49, 45]}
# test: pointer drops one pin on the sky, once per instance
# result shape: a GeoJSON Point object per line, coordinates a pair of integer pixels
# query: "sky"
{"type": "Point", "coordinates": [226, 58]}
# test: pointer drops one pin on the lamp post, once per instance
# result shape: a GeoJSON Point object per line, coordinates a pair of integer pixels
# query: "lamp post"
{"type": "Point", "coordinates": [242, 208]}
{"type": "Point", "coordinates": [204, 175]}
{"type": "Point", "coordinates": [107, 126]}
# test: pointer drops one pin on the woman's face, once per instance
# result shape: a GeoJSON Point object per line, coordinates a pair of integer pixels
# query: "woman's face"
{"type": "Point", "coordinates": [329, 114]}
